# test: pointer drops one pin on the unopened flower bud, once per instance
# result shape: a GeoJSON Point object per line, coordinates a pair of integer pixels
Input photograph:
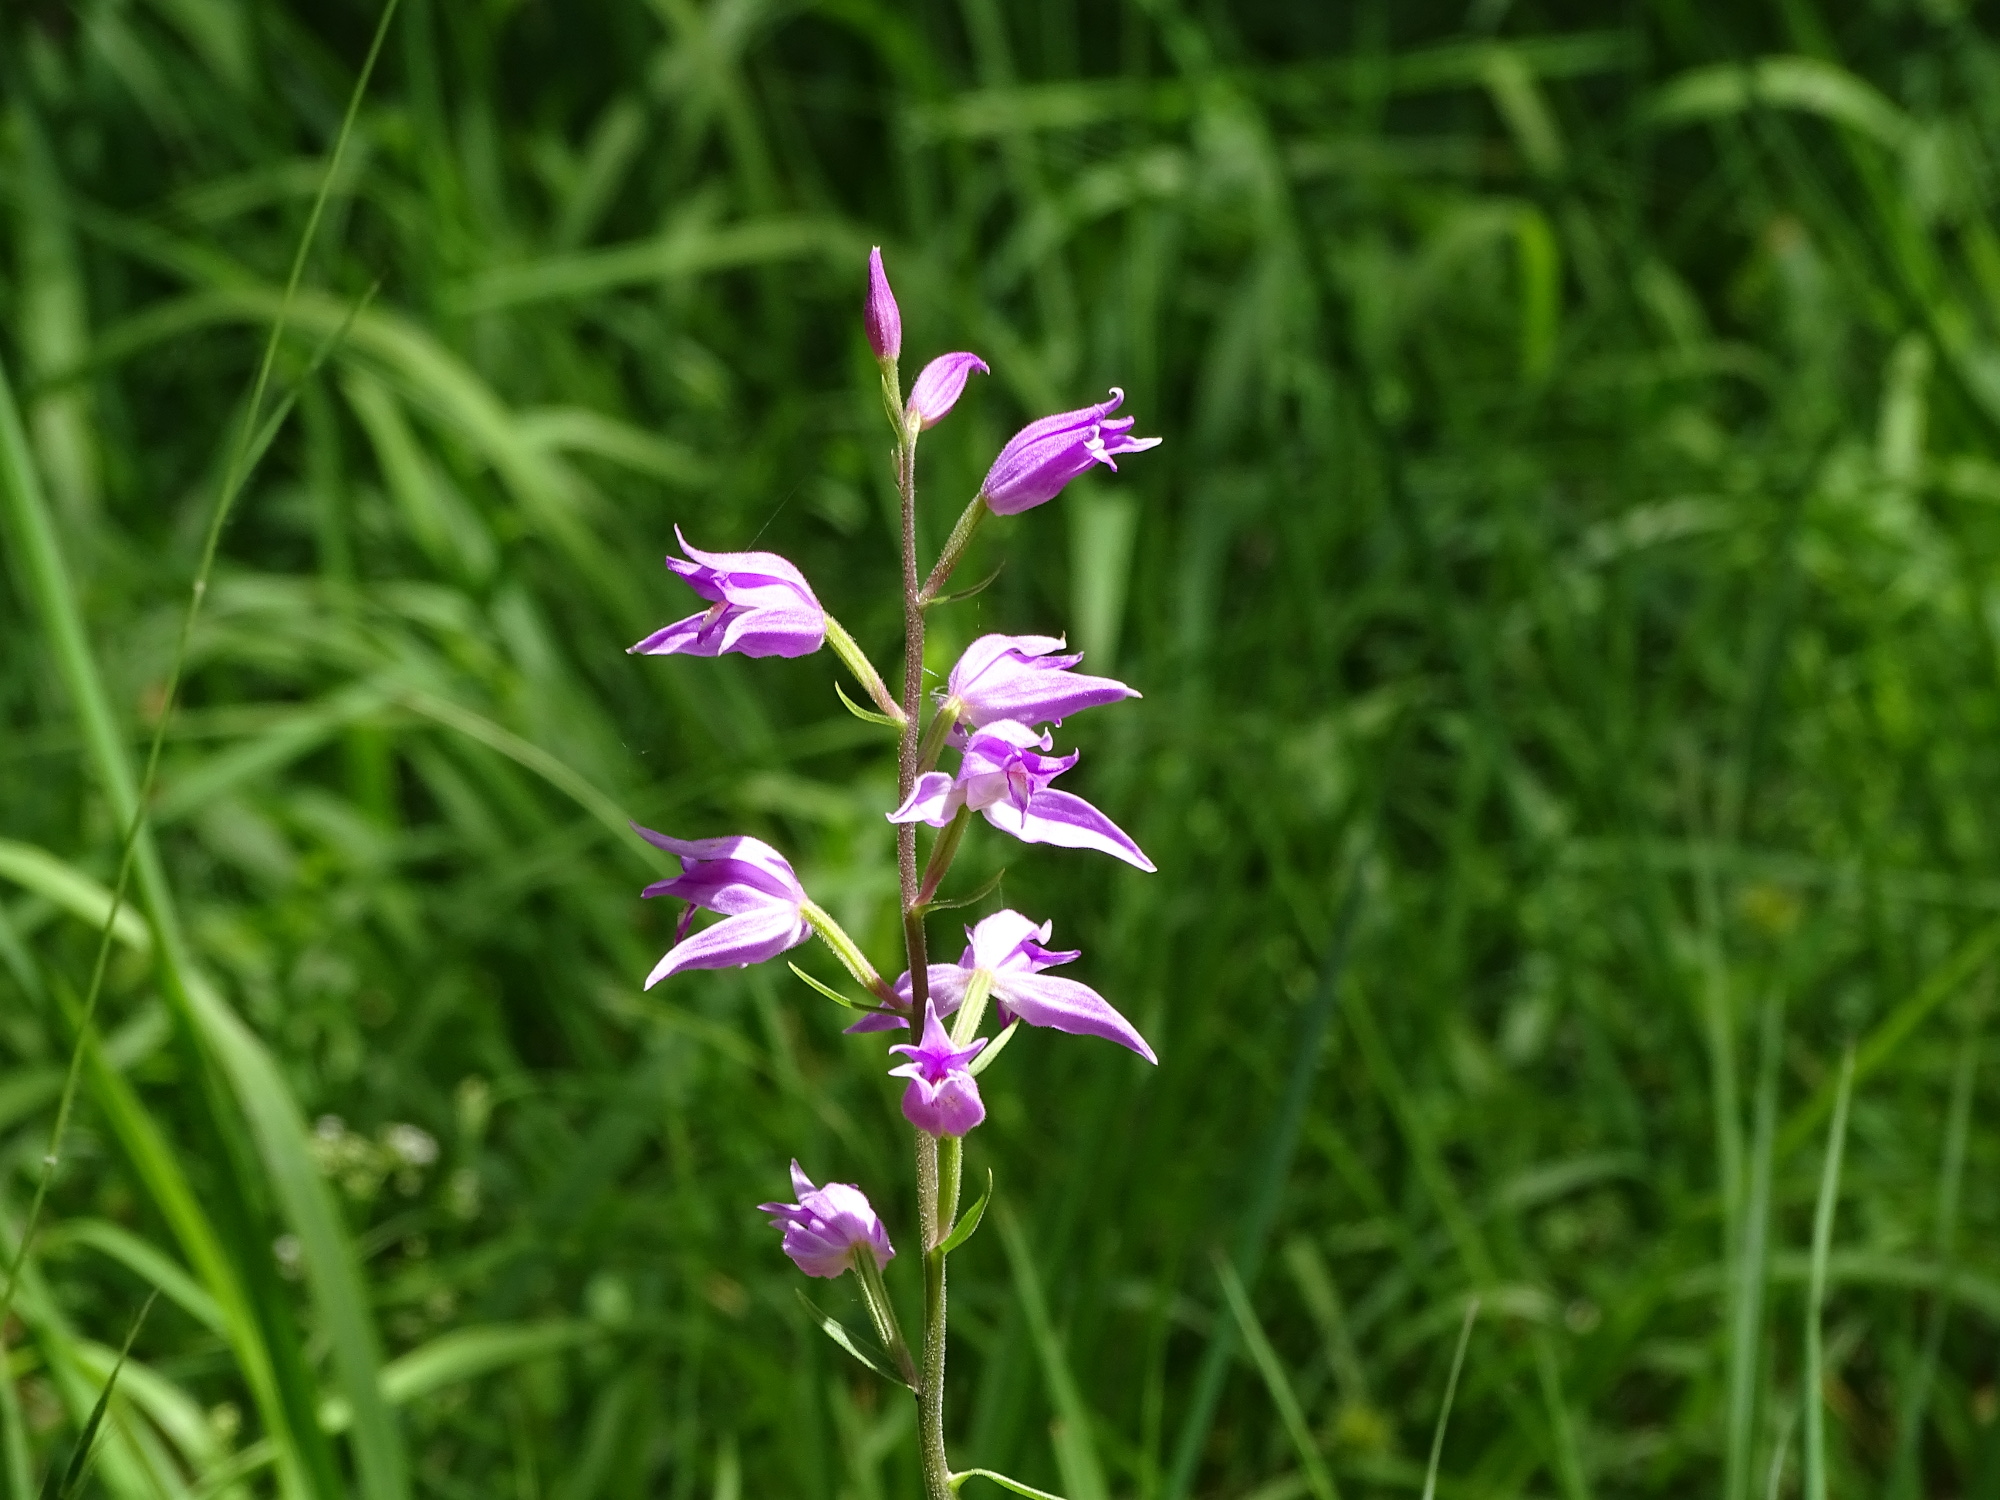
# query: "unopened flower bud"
{"type": "Point", "coordinates": [884, 319]}
{"type": "Point", "coordinates": [939, 386]}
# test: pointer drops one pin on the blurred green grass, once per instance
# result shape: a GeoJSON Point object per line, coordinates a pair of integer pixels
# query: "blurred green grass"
{"type": "Point", "coordinates": [1573, 544]}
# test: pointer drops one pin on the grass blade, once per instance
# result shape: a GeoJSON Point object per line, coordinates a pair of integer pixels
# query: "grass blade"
{"type": "Point", "coordinates": [272, 1115]}
{"type": "Point", "coordinates": [69, 1483]}
{"type": "Point", "coordinates": [1274, 1164]}
{"type": "Point", "coordinates": [1076, 1447]}
{"type": "Point", "coordinates": [1746, 1300]}
{"type": "Point", "coordinates": [1822, 1245]}
{"type": "Point", "coordinates": [1276, 1381]}
{"type": "Point", "coordinates": [1450, 1394]}
{"type": "Point", "coordinates": [1904, 1468]}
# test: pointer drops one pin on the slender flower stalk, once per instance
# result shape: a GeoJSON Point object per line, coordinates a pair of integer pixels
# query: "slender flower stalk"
{"type": "Point", "coordinates": [962, 532]}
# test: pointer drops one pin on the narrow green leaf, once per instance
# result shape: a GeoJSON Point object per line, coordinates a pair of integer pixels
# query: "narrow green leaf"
{"type": "Point", "coordinates": [143, 1259]}
{"type": "Point", "coordinates": [969, 592]}
{"type": "Point", "coordinates": [867, 714]}
{"type": "Point", "coordinates": [693, 250]}
{"type": "Point", "coordinates": [1814, 1396]}
{"type": "Point", "coordinates": [968, 1222]}
{"type": "Point", "coordinates": [986, 889]}
{"type": "Point", "coordinates": [1450, 1394]}
{"type": "Point", "coordinates": [834, 1329]}
{"type": "Point", "coordinates": [1807, 84]}
{"type": "Point", "coordinates": [59, 882]}
{"type": "Point", "coordinates": [834, 995]}
{"type": "Point", "coordinates": [1752, 1269]}
{"type": "Point", "coordinates": [1003, 1481]}
{"type": "Point", "coordinates": [70, 1482]}
{"type": "Point", "coordinates": [1893, 1030]}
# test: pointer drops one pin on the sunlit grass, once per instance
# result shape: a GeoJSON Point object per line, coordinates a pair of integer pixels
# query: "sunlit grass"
{"type": "Point", "coordinates": [1569, 558]}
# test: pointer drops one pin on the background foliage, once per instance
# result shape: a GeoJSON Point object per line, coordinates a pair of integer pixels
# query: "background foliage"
{"type": "Point", "coordinates": [1570, 577]}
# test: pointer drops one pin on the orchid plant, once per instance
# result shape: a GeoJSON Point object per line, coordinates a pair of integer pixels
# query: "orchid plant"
{"type": "Point", "coordinates": [995, 713]}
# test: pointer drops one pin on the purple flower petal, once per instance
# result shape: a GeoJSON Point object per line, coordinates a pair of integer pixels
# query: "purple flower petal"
{"type": "Point", "coordinates": [735, 942]}
{"type": "Point", "coordinates": [947, 988]}
{"type": "Point", "coordinates": [935, 799]}
{"type": "Point", "coordinates": [942, 1097]}
{"type": "Point", "coordinates": [750, 884]}
{"type": "Point", "coordinates": [742, 571]}
{"type": "Point", "coordinates": [764, 865]}
{"type": "Point", "coordinates": [1019, 677]}
{"type": "Point", "coordinates": [1065, 1005]}
{"type": "Point", "coordinates": [996, 943]}
{"type": "Point", "coordinates": [939, 385]}
{"type": "Point", "coordinates": [951, 1106]}
{"type": "Point", "coordinates": [697, 635]}
{"type": "Point", "coordinates": [1068, 822]}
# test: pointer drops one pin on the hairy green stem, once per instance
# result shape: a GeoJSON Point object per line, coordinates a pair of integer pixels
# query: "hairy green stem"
{"type": "Point", "coordinates": [969, 522]}
{"type": "Point", "coordinates": [857, 662]}
{"type": "Point", "coordinates": [932, 745]}
{"type": "Point", "coordinates": [846, 950]}
{"type": "Point", "coordinates": [875, 1293]}
{"type": "Point", "coordinates": [930, 1375]}
{"type": "Point", "coordinates": [943, 850]}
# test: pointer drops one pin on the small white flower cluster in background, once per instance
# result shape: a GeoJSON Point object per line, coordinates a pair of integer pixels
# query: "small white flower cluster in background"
{"type": "Point", "coordinates": [400, 1153]}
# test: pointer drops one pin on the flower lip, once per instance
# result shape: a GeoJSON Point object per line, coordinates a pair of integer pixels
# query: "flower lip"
{"type": "Point", "coordinates": [943, 1096]}
{"type": "Point", "coordinates": [881, 316]}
